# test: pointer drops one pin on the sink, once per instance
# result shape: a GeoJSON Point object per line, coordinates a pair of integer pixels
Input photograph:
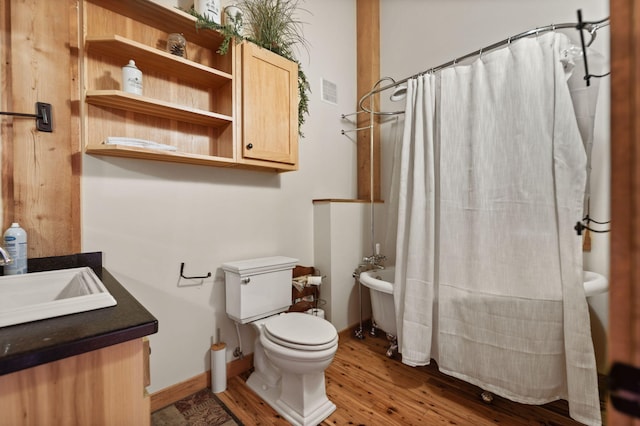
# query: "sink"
{"type": "Point", "coordinates": [594, 283]}
{"type": "Point", "coordinates": [42, 295]}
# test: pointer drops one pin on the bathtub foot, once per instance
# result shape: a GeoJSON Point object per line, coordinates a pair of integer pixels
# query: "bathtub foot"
{"type": "Point", "coordinates": [358, 333]}
{"type": "Point", "coordinates": [487, 397]}
{"type": "Point", "coordinates": [393, 349]}
{"type": "Point", "coordinates": [374, 329]}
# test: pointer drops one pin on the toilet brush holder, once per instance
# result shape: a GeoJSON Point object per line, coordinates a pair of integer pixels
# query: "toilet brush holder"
{"type": "Point", "coordinates": [218, 367]}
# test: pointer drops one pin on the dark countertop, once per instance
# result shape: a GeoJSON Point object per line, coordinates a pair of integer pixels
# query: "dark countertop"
{"type": "Point", "coordinates": [39, 342]}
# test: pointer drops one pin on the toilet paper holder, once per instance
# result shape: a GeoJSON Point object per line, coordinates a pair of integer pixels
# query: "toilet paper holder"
{"type": "Point", "coordinates": [182, 275]}
{"type": "Point", "coordinates": [194, 277]}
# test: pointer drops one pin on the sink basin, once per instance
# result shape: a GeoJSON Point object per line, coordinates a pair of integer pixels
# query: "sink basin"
{"type": "Point", "coordinates": [42, 295]}
{"type": "Point", "coordinates": [594, 283]}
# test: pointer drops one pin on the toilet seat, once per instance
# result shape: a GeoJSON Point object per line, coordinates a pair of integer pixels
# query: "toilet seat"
{"type": "Point", "coordinates": [300, 331]}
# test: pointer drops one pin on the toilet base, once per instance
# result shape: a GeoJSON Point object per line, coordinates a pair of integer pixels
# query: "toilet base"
{"type": "Point", "coordinates": [272, 396]}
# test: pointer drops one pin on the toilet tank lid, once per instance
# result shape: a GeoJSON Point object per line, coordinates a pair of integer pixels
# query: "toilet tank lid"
{"type": "Point", "coordinates": [260, 265]}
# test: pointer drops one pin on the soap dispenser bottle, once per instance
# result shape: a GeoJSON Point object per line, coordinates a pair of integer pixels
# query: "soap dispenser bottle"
{"type": "Point", "coordinates": [15, 241]}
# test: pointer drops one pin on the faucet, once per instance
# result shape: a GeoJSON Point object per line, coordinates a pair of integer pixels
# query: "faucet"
{"type": "Point", "coordinates": [6, 258]}
{"type": "Point", "coordinates": [375, 261]}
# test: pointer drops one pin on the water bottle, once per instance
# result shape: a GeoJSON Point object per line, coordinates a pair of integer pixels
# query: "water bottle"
{"type": "Point", "coordinates": [15, 241]}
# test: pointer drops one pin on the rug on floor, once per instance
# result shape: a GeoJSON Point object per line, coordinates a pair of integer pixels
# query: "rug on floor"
{"type": "Point", "coordinates": [202, 408]}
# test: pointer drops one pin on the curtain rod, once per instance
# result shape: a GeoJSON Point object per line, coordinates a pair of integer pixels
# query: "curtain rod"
{"type": "Point", "coordinates": [591, 27]}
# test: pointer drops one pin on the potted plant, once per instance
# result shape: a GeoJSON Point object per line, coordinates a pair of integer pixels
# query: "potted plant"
{"type": "Point", "coordinates": [271, 24]}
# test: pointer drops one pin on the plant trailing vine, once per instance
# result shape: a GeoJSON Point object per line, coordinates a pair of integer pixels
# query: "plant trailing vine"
{"type": "Point", "coordinates": [270, 24]}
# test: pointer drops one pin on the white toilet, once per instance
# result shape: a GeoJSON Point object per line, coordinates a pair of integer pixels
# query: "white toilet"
{"type": "Point", "coordinates": [291, 350]}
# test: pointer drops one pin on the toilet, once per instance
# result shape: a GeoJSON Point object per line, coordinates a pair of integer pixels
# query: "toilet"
{"type": "Point", "coordinates": [291, 350]}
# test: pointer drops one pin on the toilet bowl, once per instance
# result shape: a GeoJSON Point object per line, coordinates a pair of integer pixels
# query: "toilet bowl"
{"type": "Point", "coordinates": [291, 350]}
{"type": "Point", "coordinates": [291, 353]}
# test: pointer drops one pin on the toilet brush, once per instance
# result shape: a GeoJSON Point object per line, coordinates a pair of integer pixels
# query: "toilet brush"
{"type": "Point", "coordinates": [218, 365]}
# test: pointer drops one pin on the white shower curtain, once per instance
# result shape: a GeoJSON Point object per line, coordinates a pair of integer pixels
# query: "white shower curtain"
{"type": "Point", "coordinates": [488, 266]}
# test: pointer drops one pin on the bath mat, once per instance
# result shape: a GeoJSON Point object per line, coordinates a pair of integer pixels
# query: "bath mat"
{"type": "Point", "coordinates": [202, 408]}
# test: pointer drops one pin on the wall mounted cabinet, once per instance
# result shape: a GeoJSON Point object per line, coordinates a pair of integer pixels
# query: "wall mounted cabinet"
{"type": "Point", "coordinates": [198, 104]}
{"type": "Point", "coordinates": [269, 107]}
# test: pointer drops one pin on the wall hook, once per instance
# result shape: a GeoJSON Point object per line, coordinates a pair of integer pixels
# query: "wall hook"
{"type": "Point", "coordinates": [192, 278]}
{"type": "Point", "coordinates": [44, 119]}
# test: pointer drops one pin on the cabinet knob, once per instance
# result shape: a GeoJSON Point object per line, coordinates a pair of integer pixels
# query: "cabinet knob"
{"type": "Point", "coordinates": [249, 145]}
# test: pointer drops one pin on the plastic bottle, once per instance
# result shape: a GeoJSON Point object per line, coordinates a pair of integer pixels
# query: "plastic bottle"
{"type": "Point", "coordinates": [15, 241]}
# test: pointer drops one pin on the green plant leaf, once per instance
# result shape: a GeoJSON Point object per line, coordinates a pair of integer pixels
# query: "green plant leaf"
{"type": "Point", "coordinates": [273, 25]}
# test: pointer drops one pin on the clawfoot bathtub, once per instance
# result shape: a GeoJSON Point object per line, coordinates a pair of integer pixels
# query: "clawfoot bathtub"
{"type": "Point", "coordinates": [380, 284]}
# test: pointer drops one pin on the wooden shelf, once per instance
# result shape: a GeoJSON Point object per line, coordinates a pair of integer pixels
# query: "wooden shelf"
{"type": "Point", "coordinates": [150, 58]}
{"type": "Point", "coordinates": [143, 105]}
{"type": "Point", "coordinates": [149, 154]}
{"type": "Point", "coordinates": [168, 19]}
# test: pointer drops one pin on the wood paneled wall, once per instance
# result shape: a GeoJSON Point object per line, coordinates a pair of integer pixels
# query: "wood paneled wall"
{"type": "Point", "coordinates": [41, 171]}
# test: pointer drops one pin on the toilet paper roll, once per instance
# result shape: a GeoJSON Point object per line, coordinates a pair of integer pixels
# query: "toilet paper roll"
{"type": "Point", "coordinates": [314, 280]}
{"type": "Point", "coordinates": [218, 367]}
{"type": "Point", "coordinates": [316, 312]}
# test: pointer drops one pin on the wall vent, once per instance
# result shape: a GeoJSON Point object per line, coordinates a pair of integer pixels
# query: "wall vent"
{"type": "Point", "coordinates": [329, 91]}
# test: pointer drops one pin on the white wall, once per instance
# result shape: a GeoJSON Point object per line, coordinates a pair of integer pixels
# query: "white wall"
{"type": "Point", "coordinates": [342, 238]}
{"type": "Point", "coordinates": [148, 217]}
{"type": "Point", "coordinates": [417, 35]}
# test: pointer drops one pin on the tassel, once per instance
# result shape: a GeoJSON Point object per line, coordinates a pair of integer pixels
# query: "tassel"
{"type": "Point", "coordinates": [586, 241]}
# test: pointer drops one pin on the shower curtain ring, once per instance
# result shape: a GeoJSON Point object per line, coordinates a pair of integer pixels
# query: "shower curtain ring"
{"type": "Point", "coordinates": [480, 54]}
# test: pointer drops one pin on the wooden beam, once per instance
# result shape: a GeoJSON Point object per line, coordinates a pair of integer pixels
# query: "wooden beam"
{"type": "Point", "coordinates": [624, 293]}
{"type": "Point", "coordinates": [368, 71]}
{"type": "Point", "coordinates": [6, 128]}
{"type": "Point", "coordinates": [41, 171]}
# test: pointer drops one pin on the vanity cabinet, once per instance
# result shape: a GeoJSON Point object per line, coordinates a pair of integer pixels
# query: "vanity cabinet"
{"type": "Point", "coordinates": [205, 105]}
{"type": "Point", "coordinates": [87, 368]}
{"type": "Point", "coordinates": [101, 387]}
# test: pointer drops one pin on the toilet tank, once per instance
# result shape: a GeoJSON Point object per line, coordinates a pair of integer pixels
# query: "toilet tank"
{"type": "Point", "coordinates": [257, 288]}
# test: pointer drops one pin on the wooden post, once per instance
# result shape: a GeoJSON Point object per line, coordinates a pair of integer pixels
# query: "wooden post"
{"type": "Point", "coordinates": [41, 171]}
{"type": "Point", "coordinates": [368, 69]}
{"type": "Point", "coordinates": [624, 290]}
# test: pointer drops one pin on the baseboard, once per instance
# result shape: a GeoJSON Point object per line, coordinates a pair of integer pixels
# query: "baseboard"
{"type": "Point", "coordinates": [171, 394]}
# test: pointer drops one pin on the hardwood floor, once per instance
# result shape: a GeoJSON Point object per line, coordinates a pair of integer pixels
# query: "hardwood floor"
{"type": "Point", "coordinates": [370, 389]}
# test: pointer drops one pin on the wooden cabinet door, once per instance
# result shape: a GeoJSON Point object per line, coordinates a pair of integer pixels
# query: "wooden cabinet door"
{"type": "Point", "coordinates": [269, 106]}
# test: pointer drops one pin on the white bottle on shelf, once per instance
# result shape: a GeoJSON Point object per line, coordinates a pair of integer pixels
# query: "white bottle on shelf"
{"type": "Point", "coordinates": [210, 9]}
{"type": "Point", "coordinates": [15, 241]}
{"type": "Point", "coordinates": [132, 78]}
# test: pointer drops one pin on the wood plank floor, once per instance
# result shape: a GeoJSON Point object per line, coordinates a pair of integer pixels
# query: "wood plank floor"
{"type": "Point", "coordinates": [370, 389]}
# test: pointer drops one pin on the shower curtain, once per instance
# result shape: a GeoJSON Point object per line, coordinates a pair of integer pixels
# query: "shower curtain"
{"type": "Point", "coordinates": [488, 266]}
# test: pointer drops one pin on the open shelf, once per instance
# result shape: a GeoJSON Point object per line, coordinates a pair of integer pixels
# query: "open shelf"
{"type": "Point", "coordinates": [147, 57]}
{"type": "Point", "coordinates": [150, 154]}
{"type": "Point", "coordinates": [157, 108]}
{"type": "Point", "coordinates": [166, 18]}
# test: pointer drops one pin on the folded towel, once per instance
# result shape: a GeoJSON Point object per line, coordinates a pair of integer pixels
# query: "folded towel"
{"type": "Point", "coordinates": [141, 143]}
